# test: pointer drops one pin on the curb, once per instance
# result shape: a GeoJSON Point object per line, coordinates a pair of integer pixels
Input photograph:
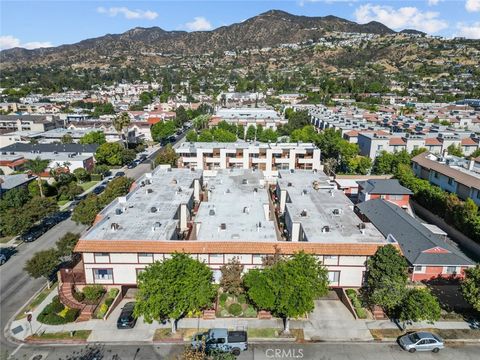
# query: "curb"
{"type": "Point", "coordinates": [57, 341]}
{"type": "Point", "coordinates": [447, 341]}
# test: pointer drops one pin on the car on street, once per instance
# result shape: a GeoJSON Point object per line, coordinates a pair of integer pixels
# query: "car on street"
{"type": "Point", "coordinates": [126, 320]}
{"type": "Point", "coordinates": [421, 341]}
{"type": "Point", "coordinates": [3, 259]}
{"type": "Point", "coordinates": [221, 340]}
{"type": "Point", "coordinates": [118, 174]}
{"type": "Point", "coordinates": [132, 165]}
{"type": "Point", "coordinates": [33, 233]}
{"type": "Point", "coordinates": [98, 190]}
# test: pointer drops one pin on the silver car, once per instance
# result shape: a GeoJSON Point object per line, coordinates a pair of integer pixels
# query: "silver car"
{"type": "Point", "coordinates": [421, 341]}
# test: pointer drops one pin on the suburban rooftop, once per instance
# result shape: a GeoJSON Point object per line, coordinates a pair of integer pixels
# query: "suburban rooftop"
{"type": "Point", "coordinates": [192, 147]}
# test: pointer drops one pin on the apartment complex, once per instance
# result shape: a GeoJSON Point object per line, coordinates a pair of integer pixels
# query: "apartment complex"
{"type": "Point", "coordinates": [9, 123]}
{"type": "Point", "coordinates": [453, 174]}
{"type": "Point", "coordinates": [243, 155]}
{"type": "Point", "coordinates": [268, 118]}
{"type": "Point", "coordinates": [219, 215]}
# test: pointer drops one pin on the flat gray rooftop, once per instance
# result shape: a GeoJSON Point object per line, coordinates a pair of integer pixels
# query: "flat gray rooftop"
{"type": "Point", "coordinates": [325, 206]}
{"type": "Point", "coordinates": [192, 147]}
{"type": "Point", "coordinates": [238, 199]}
{"type": "Point", "coordinates": [166, 191]}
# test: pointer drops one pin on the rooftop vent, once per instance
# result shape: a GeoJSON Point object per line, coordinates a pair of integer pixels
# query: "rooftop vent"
{"type": "Point", "coordinates": [361, 226]}
{"type": "Point", "coordinates": [255, 190]}
{"type": "Point", "coordinates": [246, 210]}
{"type": "Point", "coordinates": [292, 171]}
{"type": "Point", "coordinates": [304, 192]}
{"type": "Point", "coordinates": [303, 213]}
{"type": "Point", "coordinates": [211, 212]}
{"type": "Point", "coordinates": [156, 226]}
{"type": "Point", "coordinates": [244, 181]}
{"type": "Point", "coordinates": [153, 209]}
{"type": "Point", "coordinates": [337, 211]}
{"type": "Point", "coordinates": [325, 229]}
{"type": "Point", "coordinates": [289, 184]}
{"type": "Point", "coordinates": [118, 211]}
{"type": "Point", "coordinates": [148, 182]}
{"type": "Point", "coordinates": [149, 191]}
{"type": "Point", "coordinates": [223, 226]}
{"type": "Point", "coordinates": [115, 226]}
{"type": "Point", "coordinates": [174, 181]}
{"type": "Point", "coordinates": [169, 169]}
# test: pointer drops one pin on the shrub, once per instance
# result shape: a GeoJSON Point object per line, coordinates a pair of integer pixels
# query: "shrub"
{"type": "Point", "coordinates": [51, 319]}
{"type": "Point", "coordinates": [235, 309]}
{"type": "Point", "coordinates": [223, 298]}
{"type": "Point", "coordinates": [224, 313]}
{"type": "Point", "coordinates": [79, 296]}
{"type": "Point", "coordinates": [109, 301]}
{"type": "Point", "coordinates": [112, 293]}
{"type": "Point", "coordinates": [242, 299]}
{"type": "Point", "coordinates": [102, 311]}
{"type": "Point", "coordinates": [250, 312]}
{"type": "Point", "coordinates": [350, 293]}
{"type": "Point", "coordinates": [71, 315]}
{"type": "Point", "coordinates": [361, 313]}
{"type": "Point", "coordinates": [93, 292]}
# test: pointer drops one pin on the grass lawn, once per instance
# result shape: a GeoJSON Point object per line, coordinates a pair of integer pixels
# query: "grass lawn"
{"type": "Point", "coordinates": [62, 202]}
{"type": "Point", "coordinates": [446, 334]}
{"type": "Point", "coordinates": [35, 302]}
{"type": "Point", "coordinates": [65, 335]}
{"type": "Point", "coordinates": [185, 334]}
{"type": "Point", "coordinates": [5, 239]}
{"type": "Point", "coordinates": [263, 333]}
{"type": "Point", "coordinates": [87, 185]}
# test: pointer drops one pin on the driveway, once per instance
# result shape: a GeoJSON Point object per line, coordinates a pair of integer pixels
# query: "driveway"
{"type": "Point", "coordinates": [107, 331]}
{"type": "Point", "coordinates": [331, 321]}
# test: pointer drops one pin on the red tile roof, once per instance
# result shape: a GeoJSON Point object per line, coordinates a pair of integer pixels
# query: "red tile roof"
{"type": "Point", "coordinates": [469, 142]}
{"type": "Point", "coordinates": [432, 141]}
{"type": "Point", "coordinates": [396, 141]}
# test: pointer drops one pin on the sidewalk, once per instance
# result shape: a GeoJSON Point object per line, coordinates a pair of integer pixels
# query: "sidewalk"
{"type": "Point", "coordinates": [321, 325]}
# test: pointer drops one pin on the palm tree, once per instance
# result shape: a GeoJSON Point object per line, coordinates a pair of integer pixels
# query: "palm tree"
{"type": "Point", "coordinates": [37, 166]}
{"type": "Point", "coordinates": [121, 122]}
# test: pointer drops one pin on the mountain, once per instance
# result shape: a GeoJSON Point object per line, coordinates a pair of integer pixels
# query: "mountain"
{"type": "Point", "coordinates": [268, 29]}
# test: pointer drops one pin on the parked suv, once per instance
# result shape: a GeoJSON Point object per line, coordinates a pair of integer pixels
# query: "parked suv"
{"type": "Point", "coordinates": [421, 341]}
{"type": "Point", "coordinates": [126, 319]}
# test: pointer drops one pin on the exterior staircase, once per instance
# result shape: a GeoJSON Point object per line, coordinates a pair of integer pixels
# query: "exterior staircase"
{"type": "Point", "coordinates": [65, 294]}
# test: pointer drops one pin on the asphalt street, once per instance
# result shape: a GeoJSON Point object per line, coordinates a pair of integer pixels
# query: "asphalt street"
{"type": "Point", "coordinates": [318, 351]}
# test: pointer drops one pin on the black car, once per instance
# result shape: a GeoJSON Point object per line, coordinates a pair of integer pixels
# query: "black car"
{"type": "Point", "coordinates": [132, 165]}
{"type": "Point", "coordinates": [126, 319]}
{"type": "Point", "coordinates": [98, 190]}
{"type": "Point", "coordinates": [120, 173]}
{"type": "Point", "coordinates": [34, 233]}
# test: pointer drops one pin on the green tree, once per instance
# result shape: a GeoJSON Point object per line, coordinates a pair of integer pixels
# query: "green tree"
{"type": "Point", "coordinates": [103, 109]}
{"type": "Point", "coordinates": [115, 188]}
{"type": "Point", "coordinates": [289, 287]}
{"type": "Point", "coordinates": [386, 269]}
{"type": "Point", "coordinates": [418, 151]}
{"type": "Point", "coordinates": [419, 305]}
{"type": "Point", "coordinates": [93, 137]}
{"type": "Point", "coordinates": [241, 132]}
{"type": "Point", "coordinates": [268, 135]}
{"type": "Point", "coordinates": [231, 280]}
{"type": "Point", "coordinates": [221, 135]}
{"type": "Point", "coordinates": [167, 155]}
{"type": "Point", "coordinates": [251, 132]}
{"type": "Point", "coordinates": [455, 150]}
{"type": "Point", "coordinates": [172, 288]}
{"type": "Point", "coordinates": [201, 122]}
{"type": "Point", "coordinates": [37, 166]}
{"type": "Point", "coordinates": [475, 154]}
{"type": "Point", "coordinates": [86, 210]}
{"type": "Point", "coordinates": [14, 198]}
{"type": "Point", "coordinates": [306, 134]}
{"type": "Point", "coordinates": [69, 191]}
{"type": "Point", "coordinates": [42, 264]}
{"type": "Point", "coordinates": [103, 170]}
{"type": "Point", "coordinates": [162, 130]}
{"type": "Point", "coordinates": [298, 119]}
{"type": "Point", "coordinates": [121, 123]}
{"type": "Point", "coordinates": [66, 244]}
{"type": "Point", "coordinates": [359, 165]}
{"type": "Point", "coordinates": [181, 116]}
{"type": "Point", "coordinates": [113, 154]}
{"type": "Point", "coordinates": [471, 287]}
{"type": "Point", "coordinates": [205, 136]}
{"type": "Point", "coordinates": [192, 136]}
{"type": "Point", "coordinates": [81, 174]}
{"type": "Point", "coordinates": [66, 139]}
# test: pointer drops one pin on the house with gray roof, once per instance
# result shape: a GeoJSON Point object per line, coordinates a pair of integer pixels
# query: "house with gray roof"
{"type": "Point", "coordinates": [387, 189]}
{"type": "Point", "coordinates": [428, 255]}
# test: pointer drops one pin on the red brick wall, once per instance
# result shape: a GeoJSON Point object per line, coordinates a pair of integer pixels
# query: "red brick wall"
{"type": "Point", "coordinates": [433, 272]}
{"type": "Point", "coordinates": [403, 202]}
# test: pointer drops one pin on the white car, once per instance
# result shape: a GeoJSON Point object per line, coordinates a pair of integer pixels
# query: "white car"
{"type": "Point", "coordinates": [3, 259]}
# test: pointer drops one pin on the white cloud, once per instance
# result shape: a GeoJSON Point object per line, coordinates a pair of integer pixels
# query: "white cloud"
{"type": "Point", "coordinates": [471, 31]}
{"type": "Point", "coordinates": [199, 23]}
{"type": "Point", "coordinates": [472, 5]}
{"type": "Point", "coordinates": [128, 13]}
{"type": "Point", "coordinates": [433, 2]}
{"type": "Point", "coordinates": [9, 41]}
{"type": "Point", "coordinates": [401, 18]}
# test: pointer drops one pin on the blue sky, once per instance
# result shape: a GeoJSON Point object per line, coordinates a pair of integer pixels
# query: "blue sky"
{"type": "Point", "coordinates": [38, 23]}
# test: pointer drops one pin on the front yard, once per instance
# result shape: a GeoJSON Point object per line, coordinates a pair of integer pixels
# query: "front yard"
{"type": "Point", "coordinates": [235, 306]}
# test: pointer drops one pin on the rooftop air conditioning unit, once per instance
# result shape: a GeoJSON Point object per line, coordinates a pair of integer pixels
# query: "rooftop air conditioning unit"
{"type": "Point", "coordinates": [118, 211]}
{"type": "Point", "coordinates": [153, 209]}
{"type": "Point", "coordinates": [325, 229]}
{"type": "Point", "coordinates": [337, 211]}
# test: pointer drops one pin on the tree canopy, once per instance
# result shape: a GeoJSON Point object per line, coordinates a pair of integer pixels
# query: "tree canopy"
{"type": "Point", "coordinates": [471, 287]}
{"type": "Point", "coordinates": [42, 264]}
{"type": "Point", "coordinates": [93, 137]}
{"type": "Point", "coordinates": [419, 305]}
{"type": "Point", "coordinates": [162, 130]}
{"type": "Point", "coordinates": [289, 287]}
{"type": "Point", "coordinates": [174, 287]}
{"type": "Point", "coordinates": [167, 155]}
{"type": "Point", "coordinates": [113, 154]}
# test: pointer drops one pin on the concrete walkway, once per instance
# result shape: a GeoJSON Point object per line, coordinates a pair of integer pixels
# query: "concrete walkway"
{"type": "Point", "coordinates": [330, 321]}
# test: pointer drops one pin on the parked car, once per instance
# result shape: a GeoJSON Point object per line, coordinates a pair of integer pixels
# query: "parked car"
{"type": "Point", "coordinates": [126, 319]}
{"type": "Point", "coordinates": [421, 341]}
{"type": "Point", "coordinates": [33, 233]}
{"type": "Point", "coordinates": [118, 174]}
{"type": "Point", "coordinates": [98, 190]}
{"type": "Point", "coordinates": [132, 165]}
{"type": "Point", "coordinates": [3, 259]}
{"type": "Point", "coordinates": [221, 340]}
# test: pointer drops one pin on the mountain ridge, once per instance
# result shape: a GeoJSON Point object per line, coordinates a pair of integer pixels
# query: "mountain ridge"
{"type": "Point", "coordinates": [268, 29]}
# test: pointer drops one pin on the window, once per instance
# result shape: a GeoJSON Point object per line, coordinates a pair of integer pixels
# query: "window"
{"type": "Point", "coordinates": [451, 270]}
{"type": "Point", "coordinates": [435, 175]}
{"type": "Point", "coordinates": [145, 254]}
{"type": "Point", "coordinates": [103, 274]}
{"type": "Point", "coordinates": [450, 181]}
{"type": "Point", "coordinates": [418, 268]}
{"type": "Point", "coordinates": [216, 258]}
{"type": "Point", "coordinates": [333, 276]}
{"type": "Point", "coordinates": [396, 197]}
{"type": "Point", "coordinates": [379, 147]}
{"type": "Point", "coordinates": [478, 194]}
{"type": "Point", "coordinates": [330, 257]}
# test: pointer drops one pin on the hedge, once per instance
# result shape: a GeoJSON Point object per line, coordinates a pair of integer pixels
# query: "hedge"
{"type": "Point", "coordinates": [463, 215]}
{"type": "Point", "coordinates": [50, 313]}
{"type": "Point", "coordinates": [235, 309]}
{"type": "Point", "coordinates": [93, 292]}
